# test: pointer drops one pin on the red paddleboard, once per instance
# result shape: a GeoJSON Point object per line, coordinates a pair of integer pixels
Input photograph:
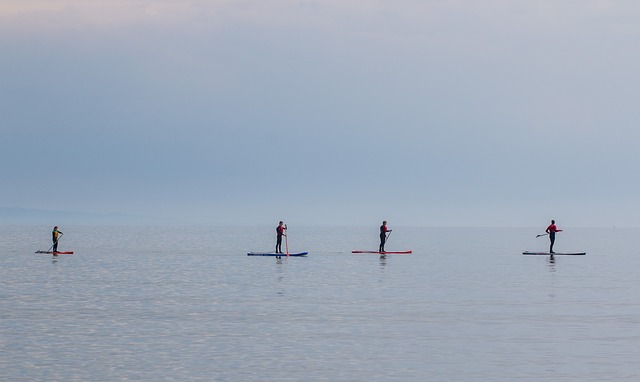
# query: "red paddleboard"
{"type": "Point", "coordinates": [385, 253]}
{"type": "Point", "coordinates": [57, 253]}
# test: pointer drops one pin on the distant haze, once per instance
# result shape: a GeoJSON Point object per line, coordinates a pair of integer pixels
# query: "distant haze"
{"type": "Point", "coordinates": [456, 113]}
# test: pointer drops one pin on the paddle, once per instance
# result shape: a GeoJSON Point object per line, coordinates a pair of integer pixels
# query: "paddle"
{"type": "Point", "coordinates": [56, 242]}
{"type": "Point", "coordinates": [545, 234]}
{"type": "Point", "coordinates": [286, 241]}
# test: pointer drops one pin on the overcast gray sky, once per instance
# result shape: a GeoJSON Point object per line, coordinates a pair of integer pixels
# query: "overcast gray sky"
{"type": "Point", "coordinates": [464, 113]}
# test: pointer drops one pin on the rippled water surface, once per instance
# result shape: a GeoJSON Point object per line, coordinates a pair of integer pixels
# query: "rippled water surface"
{"type": "Point", "coordinates": [186, 303]}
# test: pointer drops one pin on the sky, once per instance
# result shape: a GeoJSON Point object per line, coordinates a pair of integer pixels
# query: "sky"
{"type": "Point", "coordinates": [333, 112]}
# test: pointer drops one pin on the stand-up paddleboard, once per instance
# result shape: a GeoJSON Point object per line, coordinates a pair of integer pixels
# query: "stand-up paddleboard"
{"type": "Point", "coordinates": [554, 254]}
{"type": "Point", "coordinates": [385, 253]}
{"type": "Point", "coordinates": [57, 253]}
{"type": "Point", "coordinates": [276, 254]}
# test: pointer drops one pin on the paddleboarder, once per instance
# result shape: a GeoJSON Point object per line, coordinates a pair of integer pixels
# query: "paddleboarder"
{"type": "Point", "coordinates": [383, 235]}
{"type": "Point", "coordinates": [551, 230]}
{"type": "Point", "coordinates": [280, 231]}
{"type": "Point", "coordinates": [55, 234]}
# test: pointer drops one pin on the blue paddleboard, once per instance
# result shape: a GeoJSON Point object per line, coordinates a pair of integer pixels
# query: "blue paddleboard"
{"type": "Point", "coordinates": [276, 254]}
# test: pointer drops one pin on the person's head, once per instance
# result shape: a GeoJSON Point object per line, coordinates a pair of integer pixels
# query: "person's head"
{"type": "Point", "coordinates": [56, 227]}
{"type": "Point", "coordinates": [281, 222]}
{"type": "Point", "coordinates": [553, 222]}
{"type": "Point", "coordinates": [384, 222]}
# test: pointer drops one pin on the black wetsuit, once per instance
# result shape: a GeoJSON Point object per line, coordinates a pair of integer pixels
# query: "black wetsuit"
{"type": "Point", "coordinates": [279, 232]}
{"type": "Point", "coordinates": [383, 238]}
{"type": "Point", "coordinates": [551, 230]}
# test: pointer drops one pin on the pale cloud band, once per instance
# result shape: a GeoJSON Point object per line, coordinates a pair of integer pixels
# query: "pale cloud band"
{"type": "Point", "coordinates": [100, 13]}
{"type": "Point", "coordinates": [108, 12]}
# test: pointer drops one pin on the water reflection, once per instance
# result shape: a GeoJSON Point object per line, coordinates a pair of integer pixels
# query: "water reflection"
{"type": "Point", "coordinates": [552, 260]}
{"type": "Point", "coordinates": [383, 260]}
{"type": "Point", "coordinates": [280, 278]}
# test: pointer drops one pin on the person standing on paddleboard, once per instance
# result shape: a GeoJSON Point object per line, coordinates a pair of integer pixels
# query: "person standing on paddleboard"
{"type": "Point", "coordinates": [383, 235]}
{"type": "Point", "coordinates": [551, 230]}
{"type": "Point", "coordinates": [279, 233]}
{"type": "Point", "coordinates": [55, 234]}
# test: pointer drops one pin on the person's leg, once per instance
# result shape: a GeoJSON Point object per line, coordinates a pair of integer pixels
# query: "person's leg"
{"type": "Point", "coordinates": [552, 239]}
{"type": "Point", "coordinates": [383, 238]}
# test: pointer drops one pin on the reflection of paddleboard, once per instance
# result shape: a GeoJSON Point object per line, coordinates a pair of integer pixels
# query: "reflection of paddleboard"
{"type": "Point", "coordinates": [277, 254]}
{"type": "Point", "coordinates": [385, 253]}
{"type": "Point", "coordinates": [57, 253]}
{"type": "Point", "coordinates": [554, 254]}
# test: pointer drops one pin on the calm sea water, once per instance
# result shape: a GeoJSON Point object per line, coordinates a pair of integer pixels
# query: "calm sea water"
{"type": "Point", "coordinates": [186, 303]}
